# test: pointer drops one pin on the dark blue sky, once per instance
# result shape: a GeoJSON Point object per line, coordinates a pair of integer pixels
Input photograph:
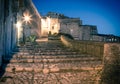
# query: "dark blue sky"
{"type": "Point", "coordinates": [105, 14]}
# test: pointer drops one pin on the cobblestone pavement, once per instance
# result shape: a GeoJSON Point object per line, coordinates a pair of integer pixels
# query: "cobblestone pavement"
{"type": "Point", "coordinates": [50, 63]}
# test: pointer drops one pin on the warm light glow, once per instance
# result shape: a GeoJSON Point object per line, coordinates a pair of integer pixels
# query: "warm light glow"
{"type": "Point", "coordinates": [49, 23]}
{"type": "Point", "coordinates": [19, 24]}
{"type": "Point", "coordinates": [27, 17]}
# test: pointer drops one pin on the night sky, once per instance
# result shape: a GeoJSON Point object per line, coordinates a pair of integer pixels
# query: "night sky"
{"type": "Point", "coordinates": [105, 14]}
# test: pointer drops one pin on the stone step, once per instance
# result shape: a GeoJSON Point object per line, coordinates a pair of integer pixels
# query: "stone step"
{"type": "Point", "coordinates": [47, 56]}
{"type": "Point", "coordinates": [51, 60]}
{"type": "Point", "coordinates": [45, 53]}
{"type": "Point", "coordinates": [30, 61]}
{"type": "Point", "coordinates": [51, 78]}
{"type": "Point", "coordinates": [46, 50]}
{"type": "Point", "coordinates": [51, 67]}
{"type": "Point", "coordinates": [52, 56]}
{"type": "Point", "coordinates": [52, 70]}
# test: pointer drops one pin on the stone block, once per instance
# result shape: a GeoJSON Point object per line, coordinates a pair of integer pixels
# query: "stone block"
{"type": "Point", "coordinates": [8, 69]}
{"type": "Point", "coordinates": [46, 71]}
{"type": "Point", "coordinates": [19, 69]}
{"type": "Point", "coordinates": [87, 68]}
{"type": "Point", "coordinates": [29, 69]}
{"type": "Point", "coordinates": [37, 60]}
{"type": "Point", "coordinates": [36, 70]}
{"type": "Point", "coordinates": [56, 69]}
{"type": "Point", "coordinates": [29, 60]}
{"type": "Point", "coordinates": [13, 60]}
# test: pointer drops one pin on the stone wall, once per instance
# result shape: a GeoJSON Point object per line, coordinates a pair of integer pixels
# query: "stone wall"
{"type": "Point", "coordinates": [9, 11]}
{"type": "Point", "coordinates": [86, 47]}
{"type": "Point", "coordinates": [1, 30]}
{"type": "Point", "coordinates": [7, 21]}
{"type": "Point", "coordinates": [111, 69]}
{"type": "Point", "coordinates": [34, 26]}
{"type": "Point", "coordinates": [56, 25]}
{"type": "Point", "coordinates": [70, 28]}
{"type": "Point", "coordinates": [108, 52]}
{"type": "Point", "coordinates": [49, 25]}
{"type": "Point", "coordinates": [86, 31]}
{"type": "Point", "coordinates": [9, 35]}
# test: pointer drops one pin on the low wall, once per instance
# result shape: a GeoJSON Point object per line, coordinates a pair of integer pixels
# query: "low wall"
{"type": "Point", "coordinates": [109, 52]}
{"type": "Point", "coordinates": [111, 61]}
{"type": "Point", "coordinates": [85, 47]}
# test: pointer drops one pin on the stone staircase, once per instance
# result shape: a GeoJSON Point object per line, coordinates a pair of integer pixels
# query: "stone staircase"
{"type": "Point", "coordinates": [50, 62]}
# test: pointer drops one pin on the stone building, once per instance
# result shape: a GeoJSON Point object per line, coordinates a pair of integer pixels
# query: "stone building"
{"type": "Point", "coordinates": [13, 28]}
{"type": "Point", "coordinates": [8, 13]}
{"type": "Point", "coordinates": [58, 23]}
{"type": "Point", "coordinates": [86, 32]}
{"type": "Point", "coordinates": [27, 11]}
{"type": "Point", "coordinates": [105, 38]}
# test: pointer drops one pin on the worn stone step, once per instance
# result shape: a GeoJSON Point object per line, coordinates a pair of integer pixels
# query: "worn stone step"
{"type": "Point", "coordinates": [43, 50]}
{"type": "Point", "coordinates": [57, 68]}
{"type": "Point", "coordinates": [48, 59]}
{"type": "Point", "coordinates": [79, 77]}
{"type": "Point", "coordinates": [48, 56]}
{"type": "Point", "coordinates": [59, 65]}
{"type": "Point", "coordinates": [44, 53]}
{"type": "Point", "coordinates": [51, 59]}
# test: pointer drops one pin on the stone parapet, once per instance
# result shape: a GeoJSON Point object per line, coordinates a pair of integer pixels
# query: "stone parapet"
{"type": "Point", "coordinates": [111, 61]}
{"type": "Point", "coordinates": [86, 47]}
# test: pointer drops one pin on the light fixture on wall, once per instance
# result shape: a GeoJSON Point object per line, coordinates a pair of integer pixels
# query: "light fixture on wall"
{"type": "Point", "coordinates": [27, 17]}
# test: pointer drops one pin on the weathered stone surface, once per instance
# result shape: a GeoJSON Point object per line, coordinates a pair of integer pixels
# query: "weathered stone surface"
{"type": "Point", "coordinates": [29, 60]}
{"type": "Point", "coordinates": [8, 69]}
{"type": "Point", "coordinates": [19, 69]}
{"type": "Point", "coordinates": [111, 68]}
{"type": "Point", "coordinates": [62, 66]}
{"type": "Point", "coordinates": [46, 71]}
{"type": "Point", "coordinates": [37, 70]}
{"type": "Point", "coordinates": [54, 69]}
{"type": "Point", "coordinates": [28, 69]}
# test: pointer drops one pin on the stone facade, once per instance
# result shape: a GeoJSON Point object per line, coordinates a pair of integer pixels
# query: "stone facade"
{"type": "Point", "coordinates": [86, 32]}
{"type": "Point", "coordinates": [7, 27]}
{"type": "Point", "coordinates": [70, 26]}
{"type": "Point", "coordinates": [58, 23]}
{"type": "Point", "coordinates": [49, 25]}
{"type": "Point", "coordinates": [11, 16]}
{"type": "Point", "coordinates": [31, 27]}
{"type": "Point", "coordinates": [105, 38]}
{"type": "Point", "coordinates": [1, 29]}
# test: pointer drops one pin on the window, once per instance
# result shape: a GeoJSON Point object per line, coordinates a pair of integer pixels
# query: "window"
{"type": "Point", "coordinates": [52, 27]}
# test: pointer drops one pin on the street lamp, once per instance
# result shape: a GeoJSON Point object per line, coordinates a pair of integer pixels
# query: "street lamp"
{"type": "Point", "coordinates": [21, 23]}
{"type": "Point", "coordinates": [27, 19]}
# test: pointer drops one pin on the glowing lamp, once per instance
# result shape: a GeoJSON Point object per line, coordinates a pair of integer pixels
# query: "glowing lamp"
{"type": "Point", "coordinates": [27, 17]}
{"type": "Point", "coordinates": [19, 24]}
